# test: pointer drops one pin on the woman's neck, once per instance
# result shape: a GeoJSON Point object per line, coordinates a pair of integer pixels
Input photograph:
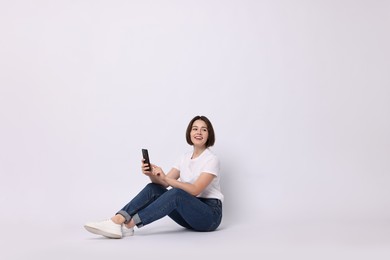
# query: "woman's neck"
{"type": "Point", "coordinates": [197, 151]}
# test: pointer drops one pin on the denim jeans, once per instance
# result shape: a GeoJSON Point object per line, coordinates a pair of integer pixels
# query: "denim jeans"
{"type": "Point", "coordinates": [155, 202]}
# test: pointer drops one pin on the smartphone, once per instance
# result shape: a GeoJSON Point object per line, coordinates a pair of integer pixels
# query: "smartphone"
{"type": "Point", "coordinates": [145, 154]}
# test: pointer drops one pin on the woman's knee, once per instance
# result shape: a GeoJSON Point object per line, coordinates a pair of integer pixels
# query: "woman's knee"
{"type": "Point", "coordinates": [179, 195]}
{"type": "Point", "coordinates": [152, 185]}
{"type": "Point", "coordinates": [155, 188]}
{"type": "Point", "coordinates": [178, 192]}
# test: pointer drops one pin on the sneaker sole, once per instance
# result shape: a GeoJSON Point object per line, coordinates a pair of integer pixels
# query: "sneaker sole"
{"type": "Point", "coordinates": [101, 232]}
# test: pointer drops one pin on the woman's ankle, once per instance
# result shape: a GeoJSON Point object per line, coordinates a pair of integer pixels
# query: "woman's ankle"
{"type": "Point", "coordinates": [130, 224]}
{"type": "Point", "coordinates": [118, 219]}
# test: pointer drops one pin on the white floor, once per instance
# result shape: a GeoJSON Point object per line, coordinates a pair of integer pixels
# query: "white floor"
{"type": "Point", "coordinates": [166, 240]}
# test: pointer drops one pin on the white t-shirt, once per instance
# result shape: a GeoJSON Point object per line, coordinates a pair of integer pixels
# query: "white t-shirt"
{"type": "Point", "coordinates": [190, 170]}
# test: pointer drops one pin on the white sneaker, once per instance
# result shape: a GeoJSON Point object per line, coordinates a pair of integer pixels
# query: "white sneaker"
{"type": "Point", "coordinates": [105, 228]}
{"type": "Point", "coordinates": [127, 232]}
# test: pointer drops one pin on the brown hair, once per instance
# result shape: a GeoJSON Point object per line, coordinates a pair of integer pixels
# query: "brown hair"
{"type": "Point", "coordinates": [210, 140]}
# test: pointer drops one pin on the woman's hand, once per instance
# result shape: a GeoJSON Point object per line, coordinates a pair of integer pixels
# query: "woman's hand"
{"type": "Point", "coordinates": [157, 171]}
{"type": "Point", "coordinates": [145, 168]}
{"type": "Point", "coordinates": [157, 175]}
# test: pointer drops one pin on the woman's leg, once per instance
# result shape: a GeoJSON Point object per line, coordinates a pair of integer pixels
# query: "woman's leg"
{"type": "Point", "coordinates": [185, 209]}
{"type": "Point", "coordinates": [113, 228]}
{"type": "Point", "coordinates": [145, 197]}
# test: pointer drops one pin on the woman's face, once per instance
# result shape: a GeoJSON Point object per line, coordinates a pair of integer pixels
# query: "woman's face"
{"type": "Point", "coordinates": [199, 133]}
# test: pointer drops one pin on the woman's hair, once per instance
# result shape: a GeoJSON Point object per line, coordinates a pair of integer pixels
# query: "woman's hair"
{"type": "Point", "coordinates": [210, 140]}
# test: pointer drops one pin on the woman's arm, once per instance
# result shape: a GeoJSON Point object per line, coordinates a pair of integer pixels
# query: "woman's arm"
{"type": "Point", "coordinates": [193, 188]}
{"type": "Point", "coordinates": [156, 174]}
{"type": "Point", "coordinates": [170, 179]}
{"type": "Point", "coordinates": [159, 177]}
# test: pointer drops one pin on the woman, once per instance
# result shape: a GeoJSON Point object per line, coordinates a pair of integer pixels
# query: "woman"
{"type": "Point", "coordinates": [189, 193]}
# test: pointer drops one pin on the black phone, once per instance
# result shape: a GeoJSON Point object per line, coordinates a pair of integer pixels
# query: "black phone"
{"type": "Point", "coordinates": [145, 154]}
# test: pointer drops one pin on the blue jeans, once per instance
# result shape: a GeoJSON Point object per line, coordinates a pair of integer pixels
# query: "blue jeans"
{"type": "Point", "coordinates": [155, 202]}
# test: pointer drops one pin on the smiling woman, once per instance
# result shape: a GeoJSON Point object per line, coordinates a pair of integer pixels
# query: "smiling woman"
{"type": "Point", "coordinates": [189, 193]}
{"type": "Point", "coordinates": [200, 133]}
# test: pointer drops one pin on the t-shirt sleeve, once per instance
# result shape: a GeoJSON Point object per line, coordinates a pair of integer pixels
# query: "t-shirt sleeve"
{"type": "Point", "coordinates": [212, 166]}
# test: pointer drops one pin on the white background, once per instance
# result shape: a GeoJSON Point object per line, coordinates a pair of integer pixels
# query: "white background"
{"type": "Point", "coordinates": [298, 93]}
